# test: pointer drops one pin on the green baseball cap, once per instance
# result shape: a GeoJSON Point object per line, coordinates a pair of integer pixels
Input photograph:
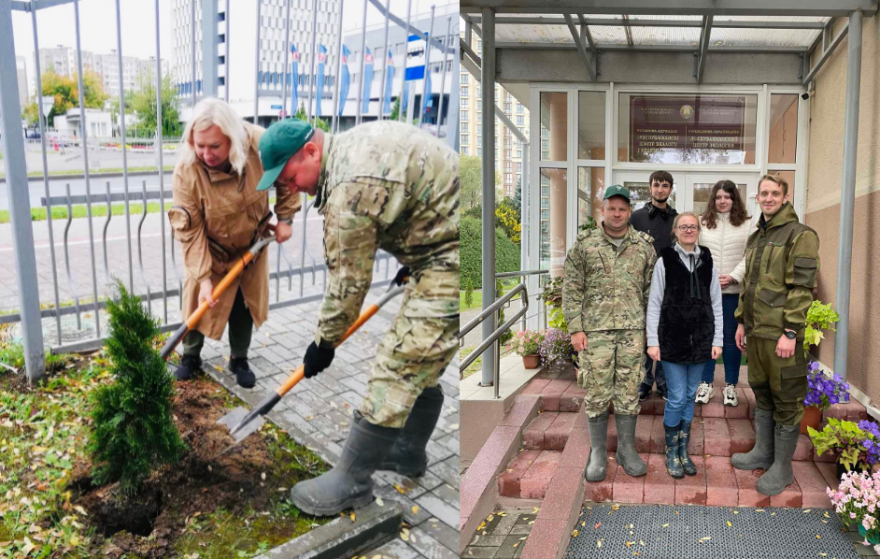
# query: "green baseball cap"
{"type": "Point", "coordinates": [279, 142]}
{"type": "Point", "coordinates": [613, 190]}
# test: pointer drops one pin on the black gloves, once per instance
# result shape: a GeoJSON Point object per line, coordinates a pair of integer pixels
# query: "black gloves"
{"type": "Point", "coordinates": [317, 359]}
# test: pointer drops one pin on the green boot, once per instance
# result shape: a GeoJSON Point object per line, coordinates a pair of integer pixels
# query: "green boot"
{"type": "Point", "coordinates": [627, 456]}
{"type": "Point", "coordinates": [780, 475]}
{"type": "Point", "coordinates": [684, 435]}
{"type": "Point", "coordinates": [598, 452]}
{"type": "Point", "coordinates": [761, 455]}
{"type": "Point", "coordinates": [349, 484]}
{"type": "Point", "coordinates": [673, 461]}
{"type": "Point", "coordinates": [407, 456]}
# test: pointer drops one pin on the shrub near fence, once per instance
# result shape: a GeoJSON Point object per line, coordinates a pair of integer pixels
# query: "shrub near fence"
{"type": "Point", "coordinates": [506, 252]}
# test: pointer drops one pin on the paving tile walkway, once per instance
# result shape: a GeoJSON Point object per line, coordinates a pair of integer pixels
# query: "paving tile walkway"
{"type": "Point", "coordinates": [502, 534]}
{"type": "Point", "coordinates": [318, 413]}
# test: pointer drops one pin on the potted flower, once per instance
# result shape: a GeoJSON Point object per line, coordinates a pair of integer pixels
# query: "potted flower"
{"type": "Point", "coordinates": [556, 346]}
{"type": "Point", "coordinates": [849, 442]}
{"type": "Point", "coordinates": [822, 393]}
{"type": "Point", "coordinates": [856, 503]}
{"type": "Point", "coordinates": [527, 345]}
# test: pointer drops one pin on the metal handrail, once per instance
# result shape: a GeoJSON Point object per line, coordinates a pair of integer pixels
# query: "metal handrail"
{"type": "Point", "coordinates": [521, 273]}
{"type": "Point", "coordinates": [493, 339]}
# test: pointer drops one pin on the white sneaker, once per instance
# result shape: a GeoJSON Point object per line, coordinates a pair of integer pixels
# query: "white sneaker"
{"type": "Point", "coordinates": [730, 396]}
{"type": "Point", "coordinates": [704, 393]}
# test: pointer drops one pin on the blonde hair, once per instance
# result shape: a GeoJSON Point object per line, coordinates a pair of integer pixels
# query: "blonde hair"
{"type": "Point", "coordinates": [207, 113]}
{"type": "Point", "coordinates": [778, 180]}
{"type": "Point", "coordinates": [685, 214]}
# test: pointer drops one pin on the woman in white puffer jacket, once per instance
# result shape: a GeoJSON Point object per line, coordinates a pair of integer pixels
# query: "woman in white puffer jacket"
{"type": "Point", "coordinates": [725, 232]}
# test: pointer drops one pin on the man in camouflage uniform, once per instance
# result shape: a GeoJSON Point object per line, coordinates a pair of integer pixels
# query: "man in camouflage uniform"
{"type": "Point", "coordinates": [391, 186]}
{"type": "Point", "coordinates": [604, 298]}
{"type": "Point", "coordinates": [782, 267]}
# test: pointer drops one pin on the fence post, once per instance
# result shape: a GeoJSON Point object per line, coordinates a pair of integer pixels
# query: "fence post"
{"type": "Point", "coordinates": [19, 203]}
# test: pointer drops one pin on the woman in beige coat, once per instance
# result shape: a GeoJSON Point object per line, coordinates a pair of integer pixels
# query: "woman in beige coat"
{"type": "Point", "coordinates": [217, 214]}
{"type": "Point", "coordinates": [725, 231]}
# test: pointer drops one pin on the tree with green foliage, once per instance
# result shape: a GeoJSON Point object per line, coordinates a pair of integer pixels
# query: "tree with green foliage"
{"type": "Point", "coordinates": [133, 431]}
{"type": "Point", "coordinates": [143, 102]}
{"type": "Point", "coordinates": [469, 292]}
{"type": "Point", "coordinates": [471, 174]}
{"type": "Point", "coordinates": [507, 218]}
{"type": "Point", "coordinates": [517, 199]}
{"type": "Point", "coordinates": [506, 252]}
{"type": "Point", "coordinates": [322, 124]}
{"type": "Point", "coordinates": [66, 94]}
{"type": "Point", "coordinates": [395, 112]}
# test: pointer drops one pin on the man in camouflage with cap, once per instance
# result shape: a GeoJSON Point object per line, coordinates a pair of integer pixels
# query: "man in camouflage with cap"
{"type": "Point", "coordinates": [392, 186]}
{"type": "Point", "coordinates": [604, 298]}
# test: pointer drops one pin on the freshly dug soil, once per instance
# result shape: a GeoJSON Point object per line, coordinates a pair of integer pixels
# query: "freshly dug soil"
{"type": "Point", "coordinates": [205, 480]}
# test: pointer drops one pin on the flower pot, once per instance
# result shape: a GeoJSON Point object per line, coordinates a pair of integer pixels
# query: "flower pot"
{"type": "Point", "coordinates": [873, 540]}
{"type": "Point", "coordinates": [812, 418]}
{"type": "Point", "coordinates": [531, 361]}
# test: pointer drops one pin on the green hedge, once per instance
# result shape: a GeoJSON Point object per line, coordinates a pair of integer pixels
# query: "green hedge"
{"type": "Point", "coordinates": [506, 252]}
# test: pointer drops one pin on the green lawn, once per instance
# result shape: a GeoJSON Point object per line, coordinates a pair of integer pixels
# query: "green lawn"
{"type": "Point", "coordinates": [96, 172]}
{"type": "Point", "coordinates": [476, 304]}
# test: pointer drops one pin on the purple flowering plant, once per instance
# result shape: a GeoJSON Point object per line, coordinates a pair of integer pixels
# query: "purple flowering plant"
{"type": "Point", "coordinates": [824, 392]}
{"type": "Point", "coordinates": [556, 346]}
{"type": "Point", "coordinates": [871, 441]}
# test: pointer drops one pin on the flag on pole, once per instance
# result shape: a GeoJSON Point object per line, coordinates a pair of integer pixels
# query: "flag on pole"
{"type": "Point", "coordinates": [345, 80]}
{"type": "Point", "coordinates": [428, 102]}
{"type": "Point", "coordinates": [322, 58]}
{"type": "Point", "coordinates": [389, 82]}
{"type": "Point", "coordinates": [367, 80]}
{"type": "Point", "coordinates": [294, 78]}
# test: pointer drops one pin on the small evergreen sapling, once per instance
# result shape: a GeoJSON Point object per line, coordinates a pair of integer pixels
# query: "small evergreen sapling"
{"type": "Point", "coordinates": [132, 428]}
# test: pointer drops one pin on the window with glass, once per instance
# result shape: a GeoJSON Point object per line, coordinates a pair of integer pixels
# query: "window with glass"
{"type": "Point", "coordinates": [520, 120]}
{"type": "Point", "coordinates": [783, 128]}
{"type": "Point", "coordinates": [464, 138]}
{"type": "Point", "coordinates": [702, 191]}
{"type": "Point", "coordinates": [591, 188]}
{"type": "Point", "coordinates": [464, 126]}
{"type": "Point", "coordinates": [479, 149]}
{"type": "Point", "coordinates": [465, 77]}
{"type": "Point", "coordinates": [464, 116]}
{"type": "Point", "coordinates": [553, 184]}
{"type": "Point", "coordinates": [707, 129]}
{"type": "Point", "coordinates": [463, 150]}
{"type": "Point", "coordinates": [640, 193]}
{"type": "Point", "coordinates": [464, 92]}
{"type": "Point", "coordinates": [554, 126]}
{"type": "Point", "coordinates": [591, 125]}
{"type": "Point", "coordinates": [464, 103]}
{"type": "Point", "coordinates": [520, 108]}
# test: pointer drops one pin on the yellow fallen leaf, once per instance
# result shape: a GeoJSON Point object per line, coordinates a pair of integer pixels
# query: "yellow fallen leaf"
{"type": "Point", "coordinates": [729, 524]}
{"type": "Point", "coordinates": [575, 533]}
{"type": "Point", "coordinates": [415, 509]}
{"type": "Point", "coordinates": [490, 518]}
{"type": "Point", "coordinates": [536, 510]}
{"type": "Point", "coordinates": [629, 544]}
{"type": "Point", "coordinates": [736, 512]}
{"type": "Point", "coordinates": [353, 517]}
{"type": "Point", "coordinates": [599, 543]}
{"type": "Point", "coordinates": [404, 536]}
{"type": "Point", "coordinates": [80, 510]}
{"type": "Point", "coordinates": [807, 510]}
{"type": "Point", "coordinates": [516, 544]}
{"type": "Point", "coordinates": [402, 491]}
{"type": "Point", "coordinates": [818, 537]}
{"type": "Point", "coordinates": [666, 525]}
{"type": "Point", "coordinates": [381, 503]}
{"type": "Point", "coordinates": [759, 510]}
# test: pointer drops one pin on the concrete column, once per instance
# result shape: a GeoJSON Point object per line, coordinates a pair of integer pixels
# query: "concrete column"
{"type": "Point", "coordinates": [558, 183]}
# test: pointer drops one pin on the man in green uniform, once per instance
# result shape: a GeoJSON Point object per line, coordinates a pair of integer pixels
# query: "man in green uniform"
{"type": "Point", "coordinates": [782, 264]}
{"type": "Point", "coordinates": [391, 186]}
{"type": "Point", "coordinates": [604, 298]}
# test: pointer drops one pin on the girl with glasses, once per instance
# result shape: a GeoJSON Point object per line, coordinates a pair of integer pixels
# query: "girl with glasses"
{"type": "Point", "coordinates": [684, 325]}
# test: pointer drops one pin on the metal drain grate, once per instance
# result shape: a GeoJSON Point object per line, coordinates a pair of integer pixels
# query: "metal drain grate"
{"type": "Point", "coordinates": [681, 532]}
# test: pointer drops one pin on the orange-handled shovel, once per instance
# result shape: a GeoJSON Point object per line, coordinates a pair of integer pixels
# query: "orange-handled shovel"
{"type": "Point", "coordinates": [246, 423]}
{"type": "Point", "coordinates": [193, 320]}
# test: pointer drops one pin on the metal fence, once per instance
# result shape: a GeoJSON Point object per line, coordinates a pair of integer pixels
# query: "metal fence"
{"type": "Point", "coordinates": [74, 322]}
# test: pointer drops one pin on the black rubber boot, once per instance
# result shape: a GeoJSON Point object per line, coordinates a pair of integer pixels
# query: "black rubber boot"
{"type": "Point", "coordinates": [673, 461]}
{"type": "Point", "coordinates": [627, 456]}
{"type": "Point", "coordinates": [780, 475]}
{"type": "Point", "coordinates": [189, 366]}
{"type": "Point", "coordinates": [598, 452]}
{"type": "Point", "coordinates": [349, 484]}
{"type": "Point", "coordinates": [684, 436]}
{"type": "Point", "coordinates": [408, 457]}
{"type": "Point", "coordinates": [243, 374]}
{"type": "Point", "coordinates": [761, 455]}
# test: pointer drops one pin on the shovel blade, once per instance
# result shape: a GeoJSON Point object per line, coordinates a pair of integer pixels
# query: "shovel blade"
{"type": "Point", "coordinates": [234, 418]}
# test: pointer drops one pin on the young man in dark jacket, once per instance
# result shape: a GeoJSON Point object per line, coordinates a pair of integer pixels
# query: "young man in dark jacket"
{"type": "Point", "coordinates": [782, 265]}
{"type": "Point", "coordinates": [656, 220]}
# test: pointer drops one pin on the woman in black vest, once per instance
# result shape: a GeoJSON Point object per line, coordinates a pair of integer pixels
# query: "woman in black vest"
{"type": "Point", "coordinates": [684, 330]}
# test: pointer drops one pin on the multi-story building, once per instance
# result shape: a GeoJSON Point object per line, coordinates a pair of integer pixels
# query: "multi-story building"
{"type": "Point", "coordinates": [21, 70]}
{"type": "Point", "coordinates": [508, 149]}
{"type": "Point", "coordinates": [62, 61]}
{"type": "Point", "coordinates": [275, 60]}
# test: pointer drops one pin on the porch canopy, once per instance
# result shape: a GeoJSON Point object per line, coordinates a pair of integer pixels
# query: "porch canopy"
{"type": "Point", "coordinates": [678, 42]}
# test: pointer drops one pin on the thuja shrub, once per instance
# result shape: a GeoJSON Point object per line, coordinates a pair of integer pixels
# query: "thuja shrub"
{"type": "Point", "coordinates": [133, 432]}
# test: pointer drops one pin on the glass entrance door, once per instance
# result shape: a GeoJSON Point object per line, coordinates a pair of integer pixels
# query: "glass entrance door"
{"type": "Point", "coordinates": [690, 192]}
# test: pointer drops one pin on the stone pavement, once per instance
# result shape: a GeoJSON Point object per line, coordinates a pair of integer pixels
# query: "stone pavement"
{"type": "Point", "coordinates": [318, 412]}
{"type": "Point", "coordinates": [502, 535]}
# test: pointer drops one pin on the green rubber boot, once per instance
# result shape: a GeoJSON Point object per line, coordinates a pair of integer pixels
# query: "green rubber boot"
{"type": "Point", "coordinates": [349, 484]}
{"type": "Point", "coordinates": [627, 456]}
{"type": "Point", "coordinates": [780, 475]}
{"type": "Point", "coordinates": [598, 452]}
{"type": "Point", "coordinates": [761, 455]}
{"type": "Point", "coordinates": [408, 457]}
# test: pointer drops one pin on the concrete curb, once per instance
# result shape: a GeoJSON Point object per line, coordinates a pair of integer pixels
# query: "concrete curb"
{"type": "Point", "coordinates": [91, 176]}
{"type": "Point", "coordinates": [372, 527]}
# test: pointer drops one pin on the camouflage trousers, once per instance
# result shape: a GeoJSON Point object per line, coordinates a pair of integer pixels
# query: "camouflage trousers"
{"type": "Point", "coordinates": [610, 369]}
{"type": "Point", "coordinates": [414, 353]}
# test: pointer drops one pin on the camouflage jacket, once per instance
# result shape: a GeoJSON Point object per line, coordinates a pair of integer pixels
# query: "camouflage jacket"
{"type": "Point", "coordinates": [606, 287]}
{"type": "Point", "coordinates": [391, 186]}
{"type": "Point", "coordinates": [782, 267]}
